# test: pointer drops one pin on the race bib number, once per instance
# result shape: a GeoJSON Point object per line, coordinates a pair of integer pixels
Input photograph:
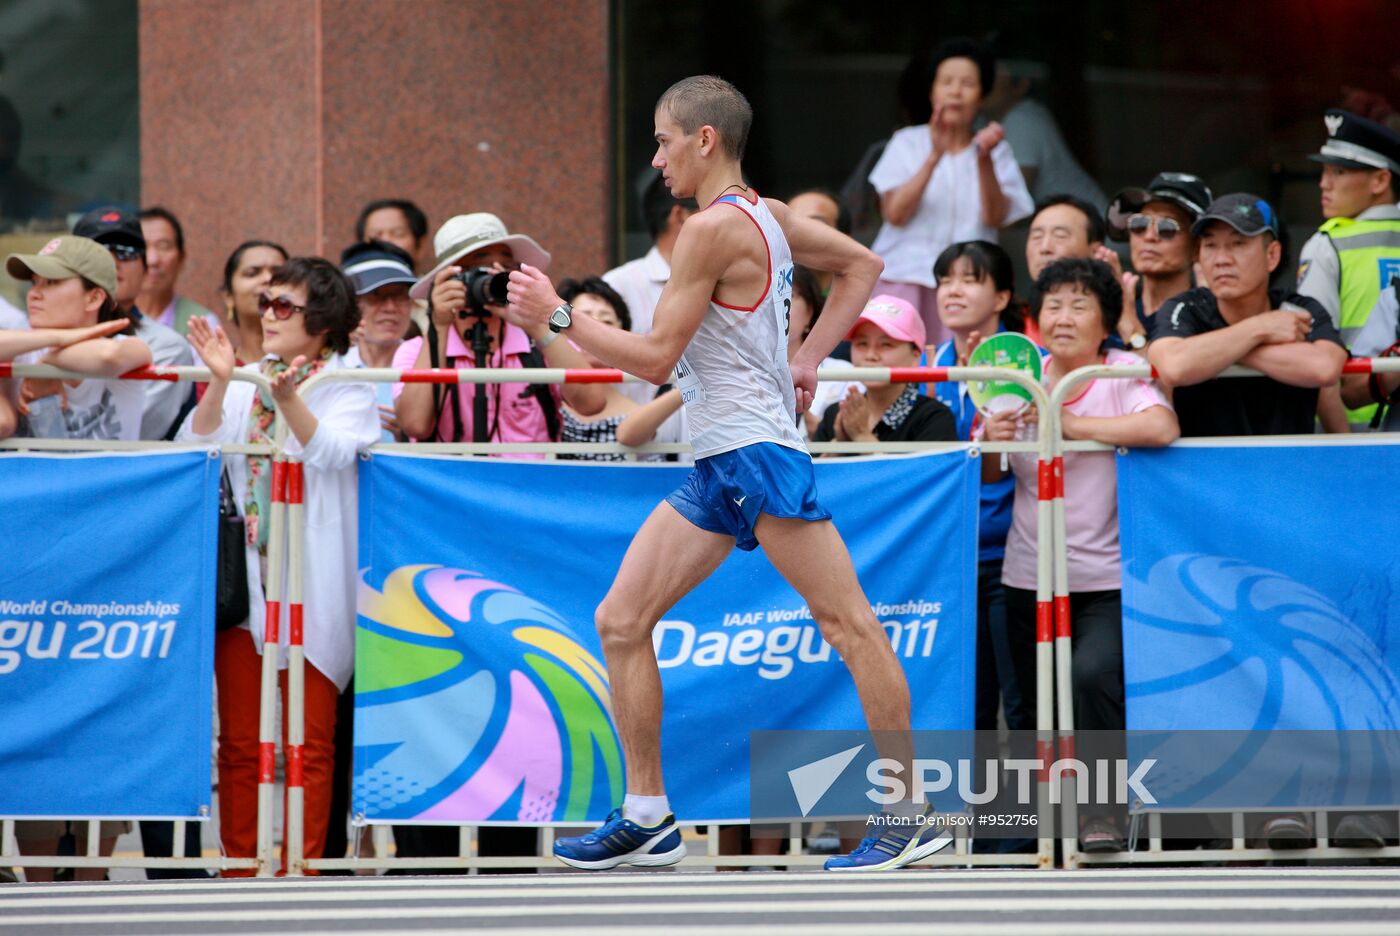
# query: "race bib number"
{"type": "Point", "coordinates": [782, 308]}
{"type": "Point", "coordinates": [692, 391]}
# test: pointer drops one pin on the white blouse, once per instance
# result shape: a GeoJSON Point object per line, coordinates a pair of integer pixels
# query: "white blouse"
{"type": "Point", "coordinates": [950, 210]}
{"type": "Point", "coordinates": [347, 423]}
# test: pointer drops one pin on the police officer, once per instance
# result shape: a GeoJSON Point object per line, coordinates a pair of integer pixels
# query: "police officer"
{"type": "Point", "coordinates": [1356, 252]}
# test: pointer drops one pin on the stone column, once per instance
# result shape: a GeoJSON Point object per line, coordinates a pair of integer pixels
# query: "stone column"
{"type": "Point", "coordinates": [279, 119]}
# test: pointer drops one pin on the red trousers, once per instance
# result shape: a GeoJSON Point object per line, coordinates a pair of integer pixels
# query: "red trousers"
{"type": "Point", "coordinates": [238, 669]}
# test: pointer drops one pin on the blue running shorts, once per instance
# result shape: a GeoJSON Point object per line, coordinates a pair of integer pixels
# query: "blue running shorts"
{"type": "Point", "coordinates": [725, 493]}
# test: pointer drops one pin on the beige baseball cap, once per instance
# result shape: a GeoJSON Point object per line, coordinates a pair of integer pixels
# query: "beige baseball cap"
{"type": "Point", "coordinates": [64, 257]}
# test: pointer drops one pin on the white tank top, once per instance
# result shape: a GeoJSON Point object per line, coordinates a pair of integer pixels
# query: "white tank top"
{"type": "Point", "coordinates": [734, 375]}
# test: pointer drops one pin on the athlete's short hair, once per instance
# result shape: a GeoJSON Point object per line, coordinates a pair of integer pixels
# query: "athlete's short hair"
{"type": "Point", "coordinates": [706, 99]}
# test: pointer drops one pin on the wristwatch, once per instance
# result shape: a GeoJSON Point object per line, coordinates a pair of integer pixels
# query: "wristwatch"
{"type": "Point", "coordinates": [1138, 341]}
{"type": "Point", "coordinates": [561, 318]}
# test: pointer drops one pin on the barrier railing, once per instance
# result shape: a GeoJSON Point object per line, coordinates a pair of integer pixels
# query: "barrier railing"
{"type": "Point", "coordinates": [92, 858]}
{"type": "Point", "coordinates": [1054, 699]}
{"type": "Point", "coordinates": [962, 853]}
{"type": "Point", "coordinates": [1072, 855]}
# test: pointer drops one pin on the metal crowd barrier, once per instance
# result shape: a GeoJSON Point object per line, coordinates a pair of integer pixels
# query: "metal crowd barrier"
{"type": "Point", "coordinates": [1054, 698]}
{"type": "Point", "coordinates": [1071, 854]}
{"type": "Point", "coordinates": [92, 858]}
{"type": "Point", "coordinates": [961, 854]}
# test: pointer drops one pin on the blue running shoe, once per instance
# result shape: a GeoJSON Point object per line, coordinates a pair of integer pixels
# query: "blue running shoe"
{"type": "Point", "coordinates": [620, 841]}
{"type": "Point", "coordinates": [893, 845]}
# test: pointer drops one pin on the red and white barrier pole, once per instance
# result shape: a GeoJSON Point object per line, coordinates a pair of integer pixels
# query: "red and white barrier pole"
{"type": "Point", "coordinates": [296, 673]}
{"type": "Point", "coordinates": [271, 657]}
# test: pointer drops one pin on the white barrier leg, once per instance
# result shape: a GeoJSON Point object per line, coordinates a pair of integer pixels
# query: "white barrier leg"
{"type": "Point", "coordinates": [295, 833]}
{"type": "Point", "coordinates": [1044, 658]}
{"type": "Point", "coordinates": [267, 727]}
{"type": "Point", "coordinates": [1064, 688]}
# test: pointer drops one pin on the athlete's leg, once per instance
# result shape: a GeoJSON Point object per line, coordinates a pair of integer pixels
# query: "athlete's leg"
{"type": "Point", "coordinates": [813, 559]}
{"type": "Point", "coordinates": [668, 557]}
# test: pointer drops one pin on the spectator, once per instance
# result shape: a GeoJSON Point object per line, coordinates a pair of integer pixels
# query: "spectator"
{"type": "Point", "coordinates": [309, 312]}
{"type": "Point", "coordinates": [247, 271]}
{"type": "Point", "coordinates": [399, 222]}
{"type": "Point", "coordinates": [396, 221]}
{"type": "Point", "coordinates": [940, 183]}
{"type": "Point", "coordinates": [807, 304]}
{"type": "Point", "coordinates": [1045, 159]}
{"type": "Point", "coordinates": [1077, 303]}
{"type": "Point", "coordinates": [1063, 226]}
{"type": "Point", "coordinates": [165, 258]}
{"type": "Point", "coordinates": [1156, 222]}
{"type": "Point", "coordinates": [381, 274]}
{"type": "Point", "coordinates": [888, 333]}
{"type": "Point", "coordinates": [825, 206]}
{"type": "Point", "coordinates": [640, 282]}
{"type": "Point", "coordinates": [976, 289]}
{"type": "Point", "coordinates": [1237, 319]}
{"type": "Point", "coordinates": [516, 412]}
{"type": "Point", "coordinates": [1356, 251]}
{"type": "Point", "coordinates": [621, 419]}
{"type": "Point", "coordinates": [1380, 337]}
{"type": "Point", "coordinates": [166, 401]}
{"type": "Point", "coordinates": [74, 285]}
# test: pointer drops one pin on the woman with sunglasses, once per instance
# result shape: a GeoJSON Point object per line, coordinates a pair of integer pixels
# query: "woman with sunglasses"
{"type": "Point", "coordinates": [308, 313]}
{"type": "Point", "coordinates": [1156, 222]}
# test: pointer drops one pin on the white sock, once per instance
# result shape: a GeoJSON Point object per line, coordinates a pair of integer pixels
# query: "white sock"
{"type": "Point", "coordinates": [645, 811]}
{"type": "Point", "coordinates": [905, 809]}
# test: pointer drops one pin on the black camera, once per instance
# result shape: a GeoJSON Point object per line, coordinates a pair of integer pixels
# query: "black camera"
{"type": "Point", "coordinates": [484, 288]}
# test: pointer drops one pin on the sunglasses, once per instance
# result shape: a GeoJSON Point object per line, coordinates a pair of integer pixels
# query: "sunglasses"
{"type": "Point", "coordinates": [282, 307]}
{"type": "Point", "coordinates": [121, 252]}
{"type": "Point", "coordinates": [1167, 228]}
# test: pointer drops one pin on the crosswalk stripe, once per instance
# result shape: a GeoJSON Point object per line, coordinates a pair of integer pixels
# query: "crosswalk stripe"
{"type": "Point", "coordinates": [1234, 877]}
{"type": "Point", "coordinates": [556, 890]}
{"type": "Point", "coordinates": [934, 904]}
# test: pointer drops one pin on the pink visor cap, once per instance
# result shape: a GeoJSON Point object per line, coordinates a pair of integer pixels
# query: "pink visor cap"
{"type": "Point", "coordinates": [895, 317]}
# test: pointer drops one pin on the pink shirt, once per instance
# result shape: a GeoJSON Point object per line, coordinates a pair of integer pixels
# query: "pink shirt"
{"type": "Point", "coordinates": [521, 419]}
{"type": "Point", "coordinates": [1091, 491]}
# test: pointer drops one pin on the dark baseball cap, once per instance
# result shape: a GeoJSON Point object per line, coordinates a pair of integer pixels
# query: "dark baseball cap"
{"type": "Point", "coordinates": [1246, 213]}
{"type": "Point", "coordinates": [374, 264]}
{"type": "Point", "coordinates": [1186, 191]}
{"type": "Point", "coordinates": [64, 257]}
{"type": "Point", "coordinates": [1358, 143]}
{"type": "Point", "coordinates": [112, 225]}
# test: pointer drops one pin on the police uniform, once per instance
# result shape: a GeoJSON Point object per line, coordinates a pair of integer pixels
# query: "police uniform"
{"type": "Point", "coordinates": [1349, 261]}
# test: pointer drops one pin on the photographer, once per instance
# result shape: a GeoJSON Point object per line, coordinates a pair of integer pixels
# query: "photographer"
{"type": "Point", "coordinates": [515, 412]}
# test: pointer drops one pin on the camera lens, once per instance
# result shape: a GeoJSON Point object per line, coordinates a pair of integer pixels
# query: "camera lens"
{"type": "Point", "coordinates": [484, 287]}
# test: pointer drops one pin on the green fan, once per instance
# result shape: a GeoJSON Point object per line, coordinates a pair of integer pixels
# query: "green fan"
{"type": "Point", "coordinates": [1006, 349]}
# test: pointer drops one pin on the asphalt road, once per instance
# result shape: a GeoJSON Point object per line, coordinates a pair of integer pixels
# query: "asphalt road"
{"type": "Point", "coordinates": [1272, 901]}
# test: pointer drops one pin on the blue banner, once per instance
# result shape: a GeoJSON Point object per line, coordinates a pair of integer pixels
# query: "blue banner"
{"type": "Point", "coordinates": [1261, 598]}
{"type": "Point", "coordinates": [107, 634]}
{"type": "Point", "coordinates": [481, 694]}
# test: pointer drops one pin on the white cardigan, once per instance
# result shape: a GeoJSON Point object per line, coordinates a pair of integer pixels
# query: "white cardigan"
{"type": "Point", "coordinates": [348, 422]}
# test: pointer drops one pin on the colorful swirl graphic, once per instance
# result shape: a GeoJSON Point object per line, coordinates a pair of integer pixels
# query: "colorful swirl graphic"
{"type": "Point", "coordinates": [476, 703]}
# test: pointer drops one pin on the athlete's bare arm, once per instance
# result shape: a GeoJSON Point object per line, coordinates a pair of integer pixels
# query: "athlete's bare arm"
{"type": "Point", "coordinates": [855, 269]}
{"type": "Point", "coordinates": [702, 257]}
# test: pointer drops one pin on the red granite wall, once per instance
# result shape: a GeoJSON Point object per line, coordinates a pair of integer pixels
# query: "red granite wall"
{"type": "Point", "coordinates": [280, 118]}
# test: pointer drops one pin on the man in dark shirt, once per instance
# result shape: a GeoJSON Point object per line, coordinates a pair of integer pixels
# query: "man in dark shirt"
{"type": "Point", "coordinates": [889, 333]}
{"type": "Point", "coordinates": [1237, 319]}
